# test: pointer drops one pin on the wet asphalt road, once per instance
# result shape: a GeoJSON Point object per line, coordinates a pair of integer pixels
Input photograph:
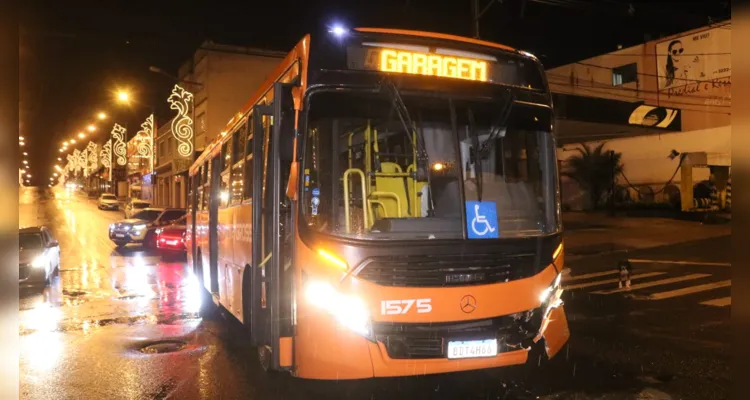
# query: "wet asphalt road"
{"type": "Point", "coordinates": [98, 331]}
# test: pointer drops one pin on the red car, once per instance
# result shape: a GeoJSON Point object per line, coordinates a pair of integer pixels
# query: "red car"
{"type": "Point", "coordinates": [172, 237]}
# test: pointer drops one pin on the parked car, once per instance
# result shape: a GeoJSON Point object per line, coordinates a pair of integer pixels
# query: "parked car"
{"type": "Point", "coordinates": [134, 206]}
{"type": "Point", "coordinates": [171, 238]}
{"type": "Point", "coordinates": [141, 227]}
{"type": "Point", "coordinates": [38, 256]}
{"type": "Point", "coordinates": [108, 201]}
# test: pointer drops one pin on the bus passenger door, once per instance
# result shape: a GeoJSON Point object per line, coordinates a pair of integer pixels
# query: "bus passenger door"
{"type": "Point", "coordinates": [213, 222]}
{"type": "Point", "coordinates": [259, 313]}
{"type": "Point", "coordinates": [274, 310]}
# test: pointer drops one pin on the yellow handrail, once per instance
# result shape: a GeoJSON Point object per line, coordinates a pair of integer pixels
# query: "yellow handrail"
{"type": "Point", "coordinates": [390, 195]}
{"type": "Point", "coordinates": [380, 203]}
{"type": "Point", "coordinates": [346, 197]}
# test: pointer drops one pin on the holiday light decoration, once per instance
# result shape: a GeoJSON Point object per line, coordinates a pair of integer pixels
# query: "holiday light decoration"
{"type": "Point", "coordinates": [146, 141]}
{"type": "Point", "coordinates": [77, 160]}
{"type": "Point", "coordinates": [106, 154]}
{"type": "Point", "coordinates": [182, 124]}
{"type": "Point", "coordinates": [93, 156]}
{"type": "Point", "coordinates": [118, 146]}
{"type": "Point", "coordinates": [84, 161]}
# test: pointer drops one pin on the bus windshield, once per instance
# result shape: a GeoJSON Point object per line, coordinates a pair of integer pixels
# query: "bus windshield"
{"type": "Point", "coordinates": [367, 177]}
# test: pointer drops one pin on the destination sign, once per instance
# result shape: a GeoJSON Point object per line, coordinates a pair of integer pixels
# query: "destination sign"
{"type": "Point", "coordinates": [456, 64]}
{"type": "Point", "coordinates": [409, 62]}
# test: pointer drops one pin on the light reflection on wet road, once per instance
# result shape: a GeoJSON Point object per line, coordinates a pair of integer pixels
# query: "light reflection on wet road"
{"type": "Point", "coordinates": [83, 336]}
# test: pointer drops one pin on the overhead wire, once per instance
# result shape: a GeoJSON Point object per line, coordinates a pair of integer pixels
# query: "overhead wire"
{"type": "Point", "coordinates": [611, 91]}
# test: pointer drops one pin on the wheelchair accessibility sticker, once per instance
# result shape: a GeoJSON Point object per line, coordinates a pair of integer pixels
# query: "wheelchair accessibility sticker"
{"type": "Point", "coordinates": [481, 218]}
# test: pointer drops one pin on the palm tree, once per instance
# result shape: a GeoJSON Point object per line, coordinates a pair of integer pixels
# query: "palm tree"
{"type": "Point", "coordinates": [594, 170]}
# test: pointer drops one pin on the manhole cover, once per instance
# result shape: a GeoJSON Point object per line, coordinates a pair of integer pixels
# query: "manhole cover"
{"type": "Point", "coordinates": [164, 346]}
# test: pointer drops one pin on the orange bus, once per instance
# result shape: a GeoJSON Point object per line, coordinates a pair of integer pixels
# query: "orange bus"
{"type": "Point", "coordinates": [386, 204]}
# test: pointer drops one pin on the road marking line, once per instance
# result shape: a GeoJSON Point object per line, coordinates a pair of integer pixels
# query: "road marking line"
{"type": "Point", "coordinates": [654, 283]}
{"type": "Point", "coordinates": [606, 281]}
{"type": "Point", "coordinates": [569, 278]}
{"type": "Point", "coordinates": [718, 264]}
{"type": "Point", "coordinates": [689, 290]}
{"type": "Point", "coordinates": [722, 302]}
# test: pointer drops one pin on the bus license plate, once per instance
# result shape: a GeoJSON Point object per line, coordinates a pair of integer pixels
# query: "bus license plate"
{"type": "Point", "coordinates": [472, 349]}
{"type": "Point", "coordinates": [120, 235]}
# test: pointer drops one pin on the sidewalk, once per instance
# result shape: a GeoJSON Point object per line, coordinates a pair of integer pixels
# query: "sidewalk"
{"type": "Point", "coordinates": [588, 234]}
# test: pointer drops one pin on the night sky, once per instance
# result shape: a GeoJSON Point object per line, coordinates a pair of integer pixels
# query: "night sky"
{"type": "Point", "coordinates": [74, 54]}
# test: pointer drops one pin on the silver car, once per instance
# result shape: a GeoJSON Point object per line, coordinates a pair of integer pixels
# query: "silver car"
{"type": "Point", "coordinates": [141, 228]}
{"type": "Point", "coordinates": [108, 201]}
{"type": "Point", "coordinates": [38, 256]}
{"type": "Point", "coordinates": [134, 206]}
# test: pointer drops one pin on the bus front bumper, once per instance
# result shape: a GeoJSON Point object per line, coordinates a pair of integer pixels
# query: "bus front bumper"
{"type": "Point", "coordinates": [337, 353]}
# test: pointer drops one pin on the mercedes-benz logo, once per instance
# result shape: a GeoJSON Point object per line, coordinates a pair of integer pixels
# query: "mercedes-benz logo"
{"type": "Point", "coordinates": [468, 304]}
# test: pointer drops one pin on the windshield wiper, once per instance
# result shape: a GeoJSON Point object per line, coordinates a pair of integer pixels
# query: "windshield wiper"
{"type": "Point", "coordinates": [477, 153]}
{"type": "Point", "coordinates": [408, 124]}
{"type": "Point", "coordinates": [496, 127]}
{"type": "Point", "coordinates": [403, 115]}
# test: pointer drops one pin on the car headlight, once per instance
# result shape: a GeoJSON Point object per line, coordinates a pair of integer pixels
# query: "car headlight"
{"type": "Point", "coordinates": [158, 231]}
{"type": "Point", "coordinates": [111, 227]}
{"type": "Point", "coordinates": [139, 227]}
{"type": "Point", "coordinates": [40, 261]}
{"type": "Point", "coordinates": [349, 311]}
{"type": "Point", "coordinates": [551, 297]}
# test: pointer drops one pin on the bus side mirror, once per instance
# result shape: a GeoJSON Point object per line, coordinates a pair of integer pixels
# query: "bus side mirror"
{"type": "Point", "coordinates": [291, 185]}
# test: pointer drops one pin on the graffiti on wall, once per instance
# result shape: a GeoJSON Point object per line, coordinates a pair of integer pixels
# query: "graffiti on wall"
{"type": "Point", "coordinates": [698, 65]}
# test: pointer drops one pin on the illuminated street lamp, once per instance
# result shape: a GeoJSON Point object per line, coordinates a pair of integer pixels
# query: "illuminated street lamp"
{"type": "Point", "coordinates": [59, 158]}
{"type": "Point", "coordinates": [28, 175]}
{"type": "Point", "coordinates": [72, 141]}
{"type": "Point", "coordinates": [21, 139]}
{"type": "Point", "coordinates": [25, 153]}
{"type": "Point", "coordinates": [123, 96]}
{"type": "Point", "coordinates": [25, 162]}
{"type": "Point", "coordinates": [91, 128]}
{"type": "Point", "coordinates": [102, 115]}
{"type": "Point", "coordinates": [81, 135]}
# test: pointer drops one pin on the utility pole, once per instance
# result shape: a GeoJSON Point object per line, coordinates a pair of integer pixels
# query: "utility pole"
{"type": "Point", "coordinates": [476, 14]}
{"type": "Point", "coordinates": [475, 18]}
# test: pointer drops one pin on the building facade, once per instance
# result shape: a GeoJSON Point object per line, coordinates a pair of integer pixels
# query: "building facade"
{"type": "Point", "coordinates": [665, 105]}
{"type": "Point", "coordinates": [225, 75]}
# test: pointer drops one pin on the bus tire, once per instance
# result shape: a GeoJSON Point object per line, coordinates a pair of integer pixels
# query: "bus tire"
{"type": "Point", "coordinates": [264, 358]}
{"type": "Point", "coordinates": [208, 307]}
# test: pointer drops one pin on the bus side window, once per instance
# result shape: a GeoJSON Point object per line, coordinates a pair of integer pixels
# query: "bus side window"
{"type": "Point", "coordinates": [248, 178]}
{"type": "Point", "coordinates": [238, 162]}
{"type": "Point", "coordinates": [199, 190]}
{"type": "Point", "coordinates": [226, 162]}
{"type": "Point", "coordinates": [206, 184]}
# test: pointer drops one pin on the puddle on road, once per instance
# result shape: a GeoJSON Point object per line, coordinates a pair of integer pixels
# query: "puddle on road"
{"type": "Point", "coordinates": [74, 293]}
{"type": "Point", "coordinates": [88, 324]}
{"type": "Point", "coordinates": [163, 346]}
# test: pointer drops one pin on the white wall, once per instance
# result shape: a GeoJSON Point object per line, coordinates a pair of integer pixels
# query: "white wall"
{"type": "Point", "coordinates": [645, 158]}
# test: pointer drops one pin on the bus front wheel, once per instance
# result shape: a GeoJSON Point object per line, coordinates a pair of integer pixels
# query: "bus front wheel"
{"type": "Point", "coordinates": [208, 307]}
{"type": "Point", "coordinates": [264, 357]}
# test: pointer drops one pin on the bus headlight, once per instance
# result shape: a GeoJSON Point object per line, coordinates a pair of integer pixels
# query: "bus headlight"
{"type": "Point", "coordinates": [551, 297]}
{"type": "Point", "coordinates": [40, 261]}
{"type": "Point", "coordinates": [349, 311]}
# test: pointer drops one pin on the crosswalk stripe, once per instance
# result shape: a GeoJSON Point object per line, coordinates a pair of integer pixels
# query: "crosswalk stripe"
{"type": "Point", "coordinates": [587, 276]}
{"type": "Point", "coordinates": [717, 264]}
{"type": "Point", "coordinates": [606, 281]}
{"type": "Point", "coordinates": [722, 302]}
{"type": "Point", "coordinates": [689, 290]}
{"type": "Point", "coordinates": [654, 283]}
